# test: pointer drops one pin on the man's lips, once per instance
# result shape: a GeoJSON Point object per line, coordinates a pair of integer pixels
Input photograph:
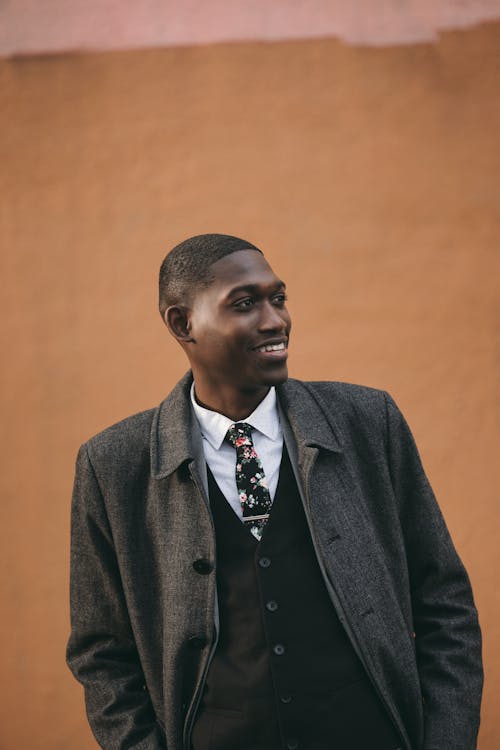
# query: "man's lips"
{"type": "Point", "coordinates": [273, 348]}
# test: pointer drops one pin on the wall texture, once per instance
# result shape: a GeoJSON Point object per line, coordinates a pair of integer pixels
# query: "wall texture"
{"type": "Point", "coordinates": [369, 177]}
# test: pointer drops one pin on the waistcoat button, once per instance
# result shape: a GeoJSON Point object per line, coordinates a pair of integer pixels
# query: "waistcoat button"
{"type": "Point", "coordinates": [292, 744]}
{"type": "Point", "coordinates": [286, 699]}
{"type": "Point", "coordinates": [202, 566]}
{"type": "Point", "coordinates": [272, 606]}
{"type": "Point", "coordinates": [279, 649]}
{"type": "Point", "coordinates": [264, 562]}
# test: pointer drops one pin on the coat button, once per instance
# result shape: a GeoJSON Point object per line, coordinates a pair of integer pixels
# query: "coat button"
{"type": "Point", "coordinates": [196, 643]}
{"type": "Point", "coordinates": [292, 744]}
{"type": "Point", "coordinates": [286, 699]}
{"type": "Point", "coordinates": [279, 649]}
{"type": "Point", "coordinates": [264, 562]}
{"type": "Point", "coordinates": [202, 566]}
{"type": "Point", "coordinates": [272, 606]}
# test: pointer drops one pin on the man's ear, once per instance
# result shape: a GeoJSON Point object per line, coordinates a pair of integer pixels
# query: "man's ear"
{"type": "Point", "coordinates": [178, 321]}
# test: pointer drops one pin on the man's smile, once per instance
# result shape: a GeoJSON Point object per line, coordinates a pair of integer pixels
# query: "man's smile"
{"type": "Point", "coordinates": [278, 349]}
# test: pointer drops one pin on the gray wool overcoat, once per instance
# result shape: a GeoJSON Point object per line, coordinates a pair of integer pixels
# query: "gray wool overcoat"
{"type": "Point", "coordinates": [144, 608]}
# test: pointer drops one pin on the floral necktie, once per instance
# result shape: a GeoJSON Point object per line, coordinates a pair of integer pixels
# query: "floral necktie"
{"type": "Point", "coordinates": [250, 479]}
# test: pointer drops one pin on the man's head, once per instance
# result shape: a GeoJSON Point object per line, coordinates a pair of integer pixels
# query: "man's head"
{"type": "Point", "coordinates": [188, 267]}
{"type": "Point", "coordinates": [223, 303]}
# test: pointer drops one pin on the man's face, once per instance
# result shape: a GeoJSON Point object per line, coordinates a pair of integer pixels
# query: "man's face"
{"type": "Point", "coordinates": [240, 325]}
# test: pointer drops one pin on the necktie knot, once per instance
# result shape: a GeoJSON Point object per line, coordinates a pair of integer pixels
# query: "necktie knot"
{"type": "Point", "coordinates": [240, 434]}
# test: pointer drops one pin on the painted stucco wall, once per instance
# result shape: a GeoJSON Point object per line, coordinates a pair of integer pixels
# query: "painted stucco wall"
{"type": "Point", "coordinates": [370, 177]}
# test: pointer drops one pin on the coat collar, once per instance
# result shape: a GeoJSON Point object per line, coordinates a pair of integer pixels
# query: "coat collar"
{"type": "Point", "coordinates": [176, 437]}
{"type": "Point", "coordinates": [308, 417]}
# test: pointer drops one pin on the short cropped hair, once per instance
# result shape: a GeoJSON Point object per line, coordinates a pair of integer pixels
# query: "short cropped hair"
{"type": "Point", "coordinates": [187, 267]}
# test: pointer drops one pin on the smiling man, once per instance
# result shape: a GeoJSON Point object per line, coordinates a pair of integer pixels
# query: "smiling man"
{"type": "Point", "coordinates": [260, 563]}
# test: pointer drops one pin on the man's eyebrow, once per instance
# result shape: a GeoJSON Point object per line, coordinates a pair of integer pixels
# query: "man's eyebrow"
{"type": "Point", "coordinates": [253, 288]}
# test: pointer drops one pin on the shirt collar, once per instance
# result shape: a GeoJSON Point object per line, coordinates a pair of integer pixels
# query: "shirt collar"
{"type": "Point", "coordinates": [214, 426]}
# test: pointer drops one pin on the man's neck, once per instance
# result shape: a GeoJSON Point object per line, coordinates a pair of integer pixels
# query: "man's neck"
{"type": "Point", "coordinates": [235, 405]}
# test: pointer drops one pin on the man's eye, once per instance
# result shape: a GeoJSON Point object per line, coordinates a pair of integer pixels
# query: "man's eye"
{"type": "Point", "coordinates": [243, 304]}
{"type": "Point", "coordinates": [280, 299]}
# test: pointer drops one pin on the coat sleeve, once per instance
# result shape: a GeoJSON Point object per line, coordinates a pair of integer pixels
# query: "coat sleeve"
{"type": "Point", "coordinates": [101, 650]}
{"type": "Point", "coordinates": [447, 635]}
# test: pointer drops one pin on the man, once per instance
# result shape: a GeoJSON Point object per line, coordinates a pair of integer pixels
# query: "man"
{"type": "Point", "coordinates": [260, 563]}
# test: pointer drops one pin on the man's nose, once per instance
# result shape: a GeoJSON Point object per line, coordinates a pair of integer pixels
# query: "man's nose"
{"type": "Point", "coordinates": [273, 318]}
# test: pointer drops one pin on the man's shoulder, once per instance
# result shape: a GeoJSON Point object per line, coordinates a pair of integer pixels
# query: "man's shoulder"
{"type": "Point", "coordinates": [338, 395]}
{"type": "Point", "coordinates": [127, 439]}
{"type": "Point", "coordinates": [354, 413]}
{"type": "Point", "coordinates": [127, 444]}
{"type": "Point", "coordinates": [341, 389]}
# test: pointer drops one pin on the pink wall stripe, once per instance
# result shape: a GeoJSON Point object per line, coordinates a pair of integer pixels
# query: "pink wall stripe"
{"type": "Point", "coordinates": [37, 26]}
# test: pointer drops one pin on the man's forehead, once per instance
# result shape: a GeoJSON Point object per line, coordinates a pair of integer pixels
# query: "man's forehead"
{"type": "Point", "coordinates": [241, 268]}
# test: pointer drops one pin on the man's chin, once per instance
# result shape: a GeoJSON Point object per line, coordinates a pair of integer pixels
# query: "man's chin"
{"type": "Point", "coordinates": [267, 378]}
{"type": "Point", "coordinates": [276, 378]}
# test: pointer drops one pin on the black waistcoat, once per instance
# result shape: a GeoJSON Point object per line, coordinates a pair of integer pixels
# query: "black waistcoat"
{"type": "Point", "coordinates": [284, 675]}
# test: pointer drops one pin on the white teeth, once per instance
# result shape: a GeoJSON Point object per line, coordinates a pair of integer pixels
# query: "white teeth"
{"type": "Point", "coordinates": [271, 348]}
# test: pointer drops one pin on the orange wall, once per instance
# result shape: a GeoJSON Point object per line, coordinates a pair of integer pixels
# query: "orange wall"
{"type": "Point", "coordinates": [371, 179]}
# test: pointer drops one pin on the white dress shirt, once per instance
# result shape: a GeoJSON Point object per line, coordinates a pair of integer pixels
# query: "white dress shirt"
{"type": "Point", "coordinates": [220, 455]}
